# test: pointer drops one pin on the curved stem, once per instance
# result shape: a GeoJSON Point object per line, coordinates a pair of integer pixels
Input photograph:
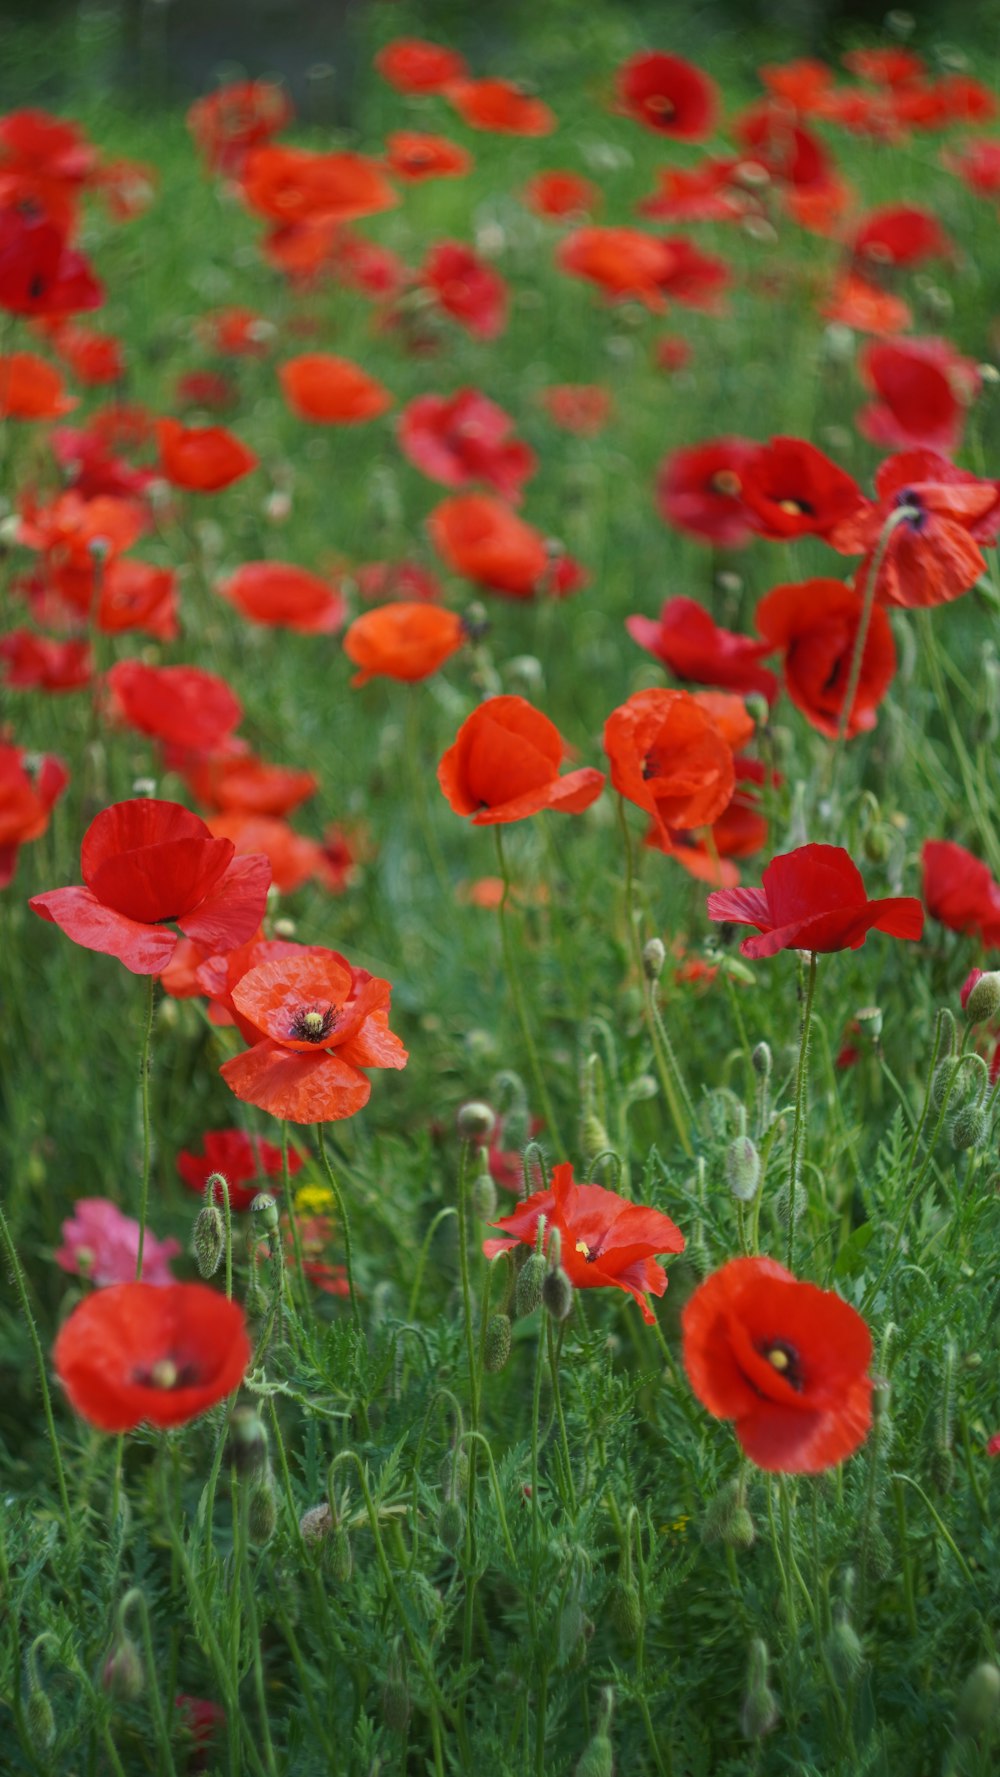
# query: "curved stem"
{"type": "Point", "coordinates": [801, 1083]}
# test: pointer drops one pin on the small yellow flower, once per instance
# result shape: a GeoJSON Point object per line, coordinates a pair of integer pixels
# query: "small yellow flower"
{"type": "Point", "coordinates": [314, 1200]}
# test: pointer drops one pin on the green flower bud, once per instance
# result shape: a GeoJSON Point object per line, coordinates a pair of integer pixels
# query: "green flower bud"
{"type": "Point", "coordinates": [625, 1610]}
{"type": "Point", "coordinates": [530, 1279]}
{"type": "Point", "coordinates": [265, 1212]}
{"type": "Point", "coordinates": [122, 1675]}
{"type": "Point", "coordinates": [262, 1512]}
{"type": "Point", "coordinates": [597, 1759]}
{"type": "Point", "coordinates": [496, 1349]}
{"type": "Point", "coordinates": [41, 1721]}
{"type": "Point", "coordinates": [654, 956]}
{"type": "Point", "coordinates": [246, 1445]}
{"type": "Point", "coordinates": [727, 1519]}
{"type": "Point", "coordinates": [209, 1239]}
{"type": "Point", "coordinates": [843, 1648]}
{"type": "Point", "coordinates": [451, 1524]}
{"type": "Point", "coordinates": [762, 1060]}
{"type": "Point", "coordinates": [743, 1169]}
{"type": "Point", "coordinates": [475, 1121]}
{"type": "Point", "coordinates": [338, 1556]}
{"type": "Point", "coordinates": [979, 1700]}
{"type": "Point", "coordinates": [968, 1128]}
{"type": "Point", "coordinates": [759, 1714]}
{"type": "Point", "coordinates": [557, 1294]}
{"type": "Point", "coordinates": [483, 1196]}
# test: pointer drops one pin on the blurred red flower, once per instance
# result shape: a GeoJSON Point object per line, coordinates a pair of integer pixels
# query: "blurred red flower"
{"type": "Point", "coordinates": [40, 275]}
{"type": "Point", "coordinates": [332, 391]}
{"type": "Point", "coordinates": [622, 262]}
{"type": "Point", "coordinates": [411, 155]}
{"type": "Point", "coordinates": [201, 459]}
{"type": "Point", "coordinates": [899, 234]}
{"type": "Point", "coordinates": [689, 643]}
{"type": "Point", "coordinates": [248, 1163]}
{"type": "Point", "coordinates": [504, 766]}
{"type": "Point", "coordinates": [281, 595]}
{"type": "Point", "coordinates": [480, 537]}
{"type": "Point", "coordinates": [299, 187]}
{"type": "Point", "coordinates": [960, 891]}
{"type": "Point", "coordinates": [814, 898]}
{"type": "Point", "coordinates": [584, 408]}
{"type": "Point", "coordinates": [699, 489]}
{"type": "Point", "coordinates": [466, 288]}
{"type": "Point", "coordinates": [180, 705]}
{"type": "Point", "coordinates": [228, 123]}
{"type": "Point", "coordinates": [793, 490]}
{"type": "Point", "coordinates": [500, 106]}
{"type": "Point", "coordinates": [924, 389]}
{"type": "Point", "coordinates": [403, 641]}
{"type": "Point", "coordinates": [668, 95]}
{"type": "Point", "coordinates": [412, 65]}
{"type": "Point", "coordinates": [30, 389]}
{"type": "Point", "coordinates": [233, 778]}
{"type": "Point", "coordinates": [465, 437]}
{"type": "Point", "coordinates": [30, 786]}
{"type": "Point", "coordinates": [29, 662]}
{"type": "Point", "coordinates": [562, 195]}
{"type": "Point", "coordinates": [815, 623]}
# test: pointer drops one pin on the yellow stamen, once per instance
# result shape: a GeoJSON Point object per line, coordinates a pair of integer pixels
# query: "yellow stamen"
{"type": "Point", "coordinates": [164, 1373]}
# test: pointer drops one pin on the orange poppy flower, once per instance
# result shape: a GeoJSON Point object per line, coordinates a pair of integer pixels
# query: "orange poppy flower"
{"type": "Point", "coordinates": [403, 641]}
{"type": "Point", "coordinates": [412, 65]}
{"type": "Point", "coordinates": [331, 391]}
{"type": "Point", "coordinates": [297, 185]}
{"type": "Point", "coordinates": [671, 757]}
{"type": "Point", "coordinates": [235, 780]}
{"type": "Point", "coordinates": [816, 623]}
{"type": "Point", "coordinates": [480, 537]}
{"type": "Point", "coordinates": [504, 766]}
{"type": "Point", "coordinates": [500, 106]}
{"type": "Point", "coordinates": [561, 195]}
{"type": "Point", "coordinates": [27, 798]}
{"type": "Point", "coordinates": [411, 155]}
{"type": "Point", "coordinates": [284, 596]}
{"type": "Point", "coordinates": [201, 459]}
{"type": "Point", "coordinates": [229, 123]}
{"type": "Point", "coordinates": [30, 389]}
{"type": "Point", "coordinates": [621, 261]}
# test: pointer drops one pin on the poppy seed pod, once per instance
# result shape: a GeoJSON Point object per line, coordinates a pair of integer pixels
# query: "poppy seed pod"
{"type": "Point", "coordinates": [265, 1212]}
{"type": "Point", "coordinates": [743, 1169]}
{"type": "Point", "coordinates": [983, 1002]}
{"type": "Point", "coordinates": [557, 1294]}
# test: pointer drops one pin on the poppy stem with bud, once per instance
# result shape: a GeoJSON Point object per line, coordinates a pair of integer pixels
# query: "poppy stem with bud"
{"type": "Point", "coordinates": [801, 1088]}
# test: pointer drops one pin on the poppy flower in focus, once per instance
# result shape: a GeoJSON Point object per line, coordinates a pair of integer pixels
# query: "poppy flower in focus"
{"type": "Point", "coordinates": [40, 276]}
{"type": "Point", "coordinates": [483, 539]}
{"type": "Point", "coordinates": [156, 1354]}
{"type": "Point", "coordinates": [36, 663]}
{"type": "Point", "coordinates": [814, 898]}
{"type": "Point", "coordinates": [785, 1360]}
{"type": "Point", "coordinates": [466, 288]}
{"type": "Point", "coordinates": [332, 391]}
{"type": "Point", "coordinates": [300, 188]}
{"type": "Point", "coordinates": [281, 595]}
{"type": "Point", "coordinates": [793, 490]}
{"type": "Point", "coordinates": [319, 1024]}
{"type": "Point", "coordinates": [606, 1241]}
{"type": "Point", "coordinates": [898, 235]}
{"type": "Point", "coordinates": [500, 106]}
{"type": "Point", "coordinates": [622, 262]}
{"type": "Point", "coordinates": [692, 646]}
{"type": "Point", "coordinates": [30, 389]}
{"type": "Point", "coordinates": [412, 65]}
{"type": "Point", "coordinates": [146, 864]}
{"type": "Point", "coordinates": [411, 155]}
{"type": "Point", "coordinates": [671, 757]}
{"type": "Point", "coordinates": [248, 1163]}
{"type": "Point", "coordinates": [924, 389]}
{"type": "Point", "coordinates": [933, 555]}
{"type": "Point", "coordinates": [234, 119]}
{"type": "Point", "coordinates": [234, 779]}
{"type": "Point", "coordinates": [102, 1245]}
{"type": "Point", "coordinates": [739, 832]}
{"type": "Point", "coordinates": [561, 195]}
{"type": "Point", "coordinates": [583, 408]}
{"type": "Point", "coordinates": [403, 641]}
{"type": "Point", "coordinates": [959, 890]}
{"type": "Point", "coordinates": [504, 766]}
{"type": "Point", "coordinates": [465, 437]}
{"type": "Point", "coordinates": [700, 490]}
{"type": "Point", "coordinates": [815, 623]}
{"type": "Point", "coordinates": [201, 459]}
{"type": "Point", "coordinates": [30, 786]}
{"type": "Point", "coordinates": [180, 705]}
{"type": "Point", "coordinates": [668, 95]}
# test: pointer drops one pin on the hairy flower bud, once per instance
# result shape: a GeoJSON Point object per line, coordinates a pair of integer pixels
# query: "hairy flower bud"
{"type": "Point", "coordinates": [625, 1610]}
{"type": "Point", "coordinates": [598, 1758]}
{"type": "Point", "coordinates": [530, 1279]}
{"type": "Point", "coordinates": [968, 1128]}
{"type": "Point", "coordinates": [483, 1196]}
{"type": "Point", "coordinates": [41, 1721]}
{"type": "Point", "coordinates": [727, 1519]}
{"type": "Point", "coordinates": [451, 1523]}
{"type": "Point", "coordinates": [557, 1294]}
{"type": "Point", "coordinates": [759, 1713]}
{"type": "Point", "coordinates": [209, 1239]}
{"type": "Point", "coordinates": [246, 1445]}
{"type": "Point", "coordinates": [475, 1121]}
{"type": "Point", "coordinates": [654, 956]}
{"type": "Point", "coordinates": [762, 1060]}
{"type": "Point", "coordinates": [122, 1674]}
{"type": "Point", "coordinates": [262, 1511]}
{"type": "Point", "coordinates": [979, 1700]}
{"type": "Point", "coordinates": [338, 1556]}
{"type": "Point", "coordinates": [497, 1343]}
{"type": "Point", "coordinates": [743, 1169]}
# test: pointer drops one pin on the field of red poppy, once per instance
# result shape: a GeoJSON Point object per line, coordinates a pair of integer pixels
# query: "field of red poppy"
{"type": "Point", "coordinates": [499, 694]}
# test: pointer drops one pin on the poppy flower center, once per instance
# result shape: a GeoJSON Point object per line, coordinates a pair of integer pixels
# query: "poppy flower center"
{"type": "Point", "coordinates": [725, 481]}
{"type": "Point", "coordinates": [796, 508]}
{"type": "Point", "coordinates": [785, 1359]}
{"type": "Point", "coordinates": [660, 105]}
{"type": "Point", "coordinates": [918, 514]}
{"type": "Point", "coordinates": [313, 1024]}
{"type": "Point", "coordinates": [590, 1258]}
{"type": "Point", "coordinates": [166, 1374]}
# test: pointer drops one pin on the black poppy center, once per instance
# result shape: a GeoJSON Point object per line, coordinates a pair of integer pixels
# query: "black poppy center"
{"type": "Point", "coordinates": [785, 1359]}
{"type": "Point", "coordinates": [313, 1024]}
{"type": "Point", "coordinates": [918, 515]}
{"type": "Point", "coordinates": [590, 1255]}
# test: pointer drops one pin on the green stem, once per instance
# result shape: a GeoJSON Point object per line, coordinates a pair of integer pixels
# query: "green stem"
{"type": "Point", "coordinates": [344, 1223]}
{"type": "Point", "coordinates": [900, 515]}
{"type": "Point", "coordinates": [561, 1417]}
{"type": "Point", "coordinates": [147, 1138]}
{"type": "Point", "coordinates": [20, 1284]}
{"type": "Point", "coordinates": [663, 1054]}
{"type": "Point", "coordinates": [517, 995]}
{"type": "Point", "coordinates": [801, 1078]}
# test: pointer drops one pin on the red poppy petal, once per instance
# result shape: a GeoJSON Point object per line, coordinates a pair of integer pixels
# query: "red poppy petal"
{"type": "Point", "coordinates": [314, 1088]}
{"type": "Point", "coordinates": [232, 912]}
{"type": "Point", "coordinates": [145, 950]}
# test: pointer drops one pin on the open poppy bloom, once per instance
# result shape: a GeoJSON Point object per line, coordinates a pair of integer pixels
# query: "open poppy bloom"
{"type": "Point", "coordinates": [924, 389]}
{"type": "Point", "coordinates": [606, 1242]}
{"type": "Point", "coordinates": [36, 663]}
{"type": "Point", "coordinates": [700, 490]}
{"type": "Point", "coordinates": [248, 1163]}
{"type": "Point", "coordinates": [857, 302]}
{"type": "Point", "coordinates": [933, 555]}
{"type": "Point", "coordinates": [960, 891]}
{"type": "Point", "coordinates": [234, 778]}
{"type": "Point", "coordinates": [40, 275]}
{"type": "Point", "coordinates": [668, 95]}
{"type": "Point", "coordinates": [201, 459]}
{"type": "Point", "coordinates": [785, 1360]}
{"type": "Point", "coordinates": [670, 756]}
{"type": "Point", "coordinates": [412, 65]}
{"type": "Point", "coordinates": [403, 641]}
{"type": "Point", "coordinates": [281, 595]}
{"type": "Point", "coordinates": [816, 624]}
{"type": "Point", "coordinates": [314, 1023]}
{"type": "Point", "coordinates": [814, 898]}
{"type": "Point", "coordinates": [466, 288]}
{"type": "Point", "coordinates": [899, 234]}
{"type": "Point", "coordinates": [699, 194]}
{"type": "Point", "coordinates": [504, 766]}
{"type": "Point", "coordinates": [142, 1353]}
{"type": "Point", "coordinates": [793, 490]}
{"type": "Point", "coordinates": [179, 705]}
{"type": "Point", "coordinates": [558, 195]}
{"type": "Point", "coordinates": [147, 865]}
{"type": "Point", "coordinates": [483, 539]}
{"type": "Point", "coordinates": [465, 437]}
{"type": "Point", "coordinates": [30, 786]}
{"type": "Point", "coordinates": [228, 123]}
{"type": "Point", "coordinates": [739, 831]}
{"type": "Point", "coordinates": [332, 391]}
{"type": "Point", "coordinates": [30, 389]}
{"type": "Point", "coordinates": [411, 155]}
{"type": "Point", "coordinates": [136, 595]}
{"type": "Point", "coordinates": [692, 646]}
{"type": "Point", "coordinates": [500, 106]}
{"type": "Point", "coordinates": [622, 262]}
{"type": "Point", "coordinates": [94, 358]}
{"type": "Point", "coordinates": [300, 188]}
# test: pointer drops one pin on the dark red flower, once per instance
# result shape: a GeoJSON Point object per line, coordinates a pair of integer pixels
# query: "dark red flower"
{"type": "Point", "coordinates": [158, 1354]}
{"type": "Point", "coordinates": [30, 785]}
{"type": "Point", "coordinates": [924, 389]}
{"type": "Point", "coordinates": [899, 234]}
{"type": "Point", "coordinates": [793, 490]}
{"type": "Point", "coordinates": [668, 95]}
{"type": "Point", "coordinates": [40, 275]}
{"type": "Point", "coordinates": [504, 766]}
{"type": "Point", "coordinates": [37, 663]}
{"type": "Point", "coordinates": [465, 437]}
{"type": "Point", "coordinates": [606, 1241]}
{"type": "Point", "coordinates": [692, 646]}
{"type": "Point", "coordinates": [466, 288]}
{"type": "Point", "coordinates": [815, 623]}
{"type": "Point", "coordinates": [149, 864]}
{"type": "Point", "coordinates": [180, 705]}
{"type": "Point", "coordinates": [700, 490]}
{"type": "Point", "coordinates": [960, 891]}
{"type": "Point", "coordinates": [785, 1360]}
{"type": "Point", "coordinates": [248, 1164]}
{"type": "Point", "coordinates": [933, 555]}
{"type": "Point", "coordinates": [201, 459]}
{"type": "Point", "coordinates": [814, 898]}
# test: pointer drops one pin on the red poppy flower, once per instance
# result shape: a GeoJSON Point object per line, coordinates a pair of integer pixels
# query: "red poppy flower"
{"type": "Point", "coordinates": [206, 388]}
{"type": "Point", "coordinates": [500, 106]}
{"type": "Point", "coordinates": [180, 705]}
{"type": "Point", "coordinates": [977, 162]}
{"type": "Point", "coordinates": [36, 663]}
{"type": "Point", "coordinates": [933, 556]}
{"type": "Point", "coordinates": [739, 831]}
{"type": "Point", "coordinates": [504, 766]}
{"type": "Point", "coordinates": [698, 194]}
{"type": "Point", "coordinates": [793, 490]}
{"type": "Point", "coordinates": [279, 594]}
{"type": "Point", "coordinates": [146, 863]}
{"type": "Point", "coordinates": [561, 195]}
{"type": "Point", "coordinates": [294, 858]}
{"type": "Point", "coordinates": [91, 469]}
{"type": "Point", "coordinates": [319, 1023]}
{"type": "Point", "coordinates": [672, 353]}
{"type": "Point", "coordinates": [40, 275]}
{"type": "Point", "coordinates": [885, 66]}
{"type": "Point", "coordinates": [816, 623]}
{"type": "Point", "coordinates": [671, 757]}
{"type": "Point", "coordinates": [30, 785]}
{"type": "Point", "coordinates": [584, 408]}
{"type": "Point", "coordinates": [236, 332]}
{"type": "Point", "coordinates": [411, 155]}
{"type": "Point", "coordinates": [248, 1163]}
{"type": "Point", "coordinates": [622, 262]}
{"type": "Point", "coordinates": [396, 580]}
{"type": "Point", "coordinates": [73, 532]}
{"type": "Point", "coordinates": [297, 186]}
{"type": "Point", "coordinates": [202, 459]}
{"type": "Point", "coordinates": [785, 1360]}
{"type": "Point", "coordinates": [332, 391]}
{"type": "Point", "coordinates": [30, 389]}
{"type": "Point", "coordinates": [700, 490]}
{"type": "Point", "coordinates": [772, 135]}
{"type": "Point", "coordinates": [466, 288]}
{"type": "Point", "coordinates": [668, 95]}
{"type": "Point", "coordinates": [135, 595]}
{"type": "Point", "coordinates": [803, 83]}
{"type": "Point", "coordinates": [464, 437]}
{"type": "Point", "coordinates": [234, 779]}
{"type": "Point", "coordinates": [959, 890]}
{"type": "Point", "coordinates": [814, 899]}
{"type": "Point", "coordinates": [606, 1241]}
{"type": "Point", "coordinates": [691, 646]}
{"type": "Point", "coordinates": [127, 187]}
{"type": "Point", "coordinates": [94, 358]}
{"type": "Point", "coordinates": [412, 65]}
{"type": "Point", "coordinates": [924, 387]}
{"type": "Point", "coordinates": [234, 119]}
{"type": "Point", "coordinates": [403, 641]}
{"type": "Point", "coordinates": [899, 234]}
{"type": "Point", "coordinates": [45, 163]}
{"type": "Point", "coordinates": [862, 305]}
{"type": "Point", "coordinates": [158, 1354]}
{"type": "Point", "coordinates": [483, 539]}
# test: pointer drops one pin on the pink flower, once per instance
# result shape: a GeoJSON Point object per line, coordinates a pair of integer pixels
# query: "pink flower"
{"type": "Point", "coordinates": [102, 1244]}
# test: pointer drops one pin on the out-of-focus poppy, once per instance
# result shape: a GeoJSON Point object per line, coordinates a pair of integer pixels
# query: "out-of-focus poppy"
{"type": "Point", "coordinates": [284, 596]}
{"type": "Point", "coordinates": [465, 437]}
{"type": "Point", "coordinates": [622, 262]}
{"type": "Point", "coordinates": [45, 163]}
{"type": "Point", "coordinates": [933, 556]}
{"type": "Point", "coordinates": [210, 389]}
{"type": "Point", "coordinates": [959, 890]}
{"type": "Point", "coordinates": [668, 95]}
{"type": "Point", "coordinates": [136, 595]}
{"type": "Point", "coordinates": [102, 1245]}
{"type": "Point", "coordinates": [670, 756]}
{"type": "Point", "coordinates": [699, 194]}
{"type": "Point", "coordinates": [584, 408]}
{"type": "Point", "coordinates": [793, 490]}
{"type": "Point", "coordinates": [236, 332]}
{"type": "Point", "coordinates": [412, 65]}
{"type": "Point", "coordinates": [501, 107]}
{"type": "Point", "coordinates": [30, 389]}
{"type": "Point", "coordinates": [201, 459]}
{"type": "Point", "coordinates": [184, 706]}
{"type": "Point", "coordinates": [803, 83]}
{"type": "Point", "coordinates": [692, 277]}
{"type": "Point", "coordinates": [76, 536]}
{"type": "Point", "coordinates": [561, 195]}
{"type": "Point", "coordinates": [29, 662]}
{"type": "Point", "coordinates": [606, 1241]}
{"type": "Point", "coordinates": [504, 765]}
{"type": "Point", "coordinates": [899, 234]}
{"type": "Point", "coordinates": [94, 358]}
{"type": "Point", "coordinates": [146, 863]}
{"type": "Point", "coordinates": [30, 786]}
{"type": "Point", "coordinates": [859, 303]}
{"type": "Point", "coordinates": [40, 275]}
{"type": "Point", "coordinates": [785, 1360]}
{"type": "Point", "coordinates": [781, 143]}
{"type": "Point", "coordinates": [885, 65]}
{"type": "Point", "coordinates": [411, 155]}
{"type": "Point", "coordinates": [691, 645]}
{"type": "Point", "coordinates": [466, 288]}
{"type": "Point", "coordinates": [814, 898]}
{"type": "Point", "coordinates": [924, 389]}
{"type": "Point", "coordinates": [699, 489]}
{"type": "Point", "coordinates": [396, 580]}
{"type": "Point", "coordinates": [294, 858]}
{"type": "Point", "coordinates": [146, 1353]}
{"type": "Point", "coordinates": [234, 119]}
{"type": "Point", "coordinates": [248, 1164]}
{"type": "Point", "coordinates": [403, 641]}
{"type": "Point", "coordinates": [480, 537]}
{"type": "Point", "coordinates": [128, 187]}
{"type": "Point", "coordinates": [332, 391]}
{"type": "Point", "coordinates": [300, 186]}
{"type": "Point", "coordinates": [672, 353]}
{"type": "Point", "coordinates": [739, 832]}
{"type": "Point", "coordinates": [235, 779]}
{"type": "Point", "coordinates": [977, 163]}
{"type": "Point", "coordinates": [815, 623]}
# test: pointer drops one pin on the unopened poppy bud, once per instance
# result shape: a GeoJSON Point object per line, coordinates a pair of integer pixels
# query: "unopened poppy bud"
{"type": "Point", "coordinates": [285, 928]}
{"type": "Point", "coordinates": [497, 1342]}
{"type": "Point", "coordinates": [843, 1648]}
{"type": "Point", "coordinates": [979, 1700]}
{"type": "Point", "coordinates": [983, 1002]}
{"type": "Point", "coordinates": [316, 1523]}
{"type": "Point", "coordinates": [877, 843]}
{"type": "Point", "coordinates": [209, 1239]}
{"type": "Point", "coordinates": [598, 1758]}
{"type": "Point", "coordinates": [968, 1128]}
{"type": "Point", "coordinates": [451, 1523]}
{"type": "Point", "coordinates": [654, 956]}
{"type": "Point", "coordinates": [265, 1212]}
{"type": "Point", "coordinates": [454, 1471]}
{"type": "Point", "coordinates": [41, 1721]}
{"type": "Point", "coordinates": [557, 1294]}
{"type": "Point", "coordinates": [530, 1279]}
{"type": "Point", "coordinates": [869, 1019]}
{"type": "Point", "coordinates": [246, 1444]}
{"type": "Point", "coordinates": [338, 1556]}
{"type": "Point", "coordinates": [758, 709]}
{"type": "Point", "coordinates": [570, 1630]}
{"type": "Point", "coordinates": [743, 1169]}
{"type": "Point", "coordinates": [475, 1121]}
{"type": "Point", "coordinates": [596, 1139]}
{"type": "Point", "coordinates": [727, 1519]}
{"type": "Point", "coordinates": [762, 1060]}
{"type": "Point", "coordinates": [122, 1675]}
{"type": "Point", "coordinates": [759, 1714]}
{"type": "Point", "coordinates": [262, 1512]}
{"type": "Point", "coordinates": [396, 1702]}
{"type": "Point", "coordinates": [483, 1195]}
{"type": "Point", "coordinates": [625, 1610]}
